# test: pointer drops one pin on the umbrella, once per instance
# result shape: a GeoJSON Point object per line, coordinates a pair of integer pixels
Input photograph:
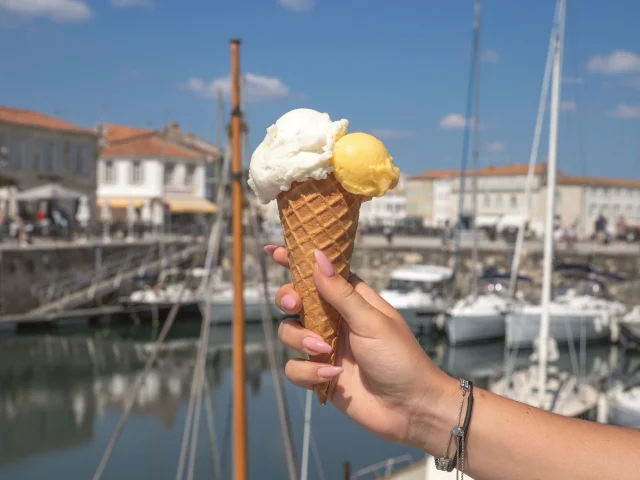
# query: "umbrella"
{"type": "Point", "coordinates": [158, 214]}
{"type": "Point", "coordinates": [145, 213]}
{"type": "Point", "coordinates": [132, 216]}
{"type": "Point", "coordinates": [51, 191]}
{"type": "Point", "coordinates": [83, 215]}
{"type": "Point", "coordinates": [105, 213]}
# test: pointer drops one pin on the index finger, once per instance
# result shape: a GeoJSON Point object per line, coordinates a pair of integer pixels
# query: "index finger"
{"type": "Point", "coordinates": [278, 253]}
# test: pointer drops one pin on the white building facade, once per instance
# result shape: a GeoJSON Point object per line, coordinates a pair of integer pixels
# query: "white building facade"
{"type": "Point", "coordinates": [138, 166]}
{"type": "Point", "coordinates": [387, 210]}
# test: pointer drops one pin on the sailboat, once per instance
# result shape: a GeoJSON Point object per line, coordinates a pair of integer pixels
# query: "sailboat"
{"type": "Point", "coordinates": [544, 385]}
{"type": "Point", "coordinates": [479, 316]}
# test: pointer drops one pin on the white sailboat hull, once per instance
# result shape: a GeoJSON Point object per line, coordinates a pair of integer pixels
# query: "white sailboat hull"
{"type": "Point", "coordinates": [467, 329]}
{"type": "Point", "coordinates": [522, 328]}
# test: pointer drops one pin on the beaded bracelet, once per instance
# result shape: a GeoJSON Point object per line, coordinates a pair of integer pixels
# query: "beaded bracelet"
{"type": "Point", "coordinates": [458, 433]}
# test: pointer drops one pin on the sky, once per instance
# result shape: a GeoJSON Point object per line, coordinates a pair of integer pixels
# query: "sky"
{"type": "Point", "coordinates": [395, 68]}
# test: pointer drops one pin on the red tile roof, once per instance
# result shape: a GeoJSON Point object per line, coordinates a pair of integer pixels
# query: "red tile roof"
{"type": "Point", "coordinates": [122, 141]}
{"type": "Point", "coordinates": [437, 174]}
{"type": "Point", "coordinates": [27, 118]}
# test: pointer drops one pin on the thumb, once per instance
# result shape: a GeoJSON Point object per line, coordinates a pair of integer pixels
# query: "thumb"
{"type": "Point", "coordinates": [362, 318]}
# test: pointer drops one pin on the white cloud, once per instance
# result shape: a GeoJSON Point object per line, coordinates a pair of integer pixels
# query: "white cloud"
{"type": "Point", "coordinates": [617, 62]}
{"type": "Point", "coordinates": [132, 3]}
{"type": "Point", "coordinates": [625, 112]}
{"type": "Point", "coordinates": [56, 10]}
{"type": "Point", "coordinates": [489, 56]}
{"type": "Point", "coordinates": [387, 133]}
{"type": "Point", "coordinates": [258, 88]}
{"type": "Point", "coordinates": [573, 80]}
{"type": "Point", "coordinates": [568, 106]}
{"type": "Point", "coordinates": [455, 121]}
{"type": "Point", "coordinates": [497, 147]}
{"type": "Point", "coordinates": [297, 5]}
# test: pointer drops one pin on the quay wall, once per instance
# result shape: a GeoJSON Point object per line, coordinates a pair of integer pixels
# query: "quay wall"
{"type": "Point", "coordinates": [24, 272]}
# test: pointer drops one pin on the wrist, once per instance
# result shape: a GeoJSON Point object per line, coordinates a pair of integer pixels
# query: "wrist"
{"type": "Point", "coordinates": [435, 414]}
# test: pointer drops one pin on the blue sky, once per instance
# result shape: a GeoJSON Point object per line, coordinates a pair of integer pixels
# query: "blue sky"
{"type": "Point", "coordinates": [397, 68]}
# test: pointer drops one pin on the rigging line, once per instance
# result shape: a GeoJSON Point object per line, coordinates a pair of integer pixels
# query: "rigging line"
{"type": "Point", "coordinates": [476, 148]}
{"type": "Point", "coordinates": [194, 407]}
{"type": "Point", "coordinates": [138, 383]}
{"type": "Point", "coordinates": [312, 440]}
{"type": "Point", "coordinates": [465, 159]}
{"type": "Point", "coordinates": [533, 158]}
{"type": "Point", "coordinates": [210, 411]}
{"type": "Point", "coordinates": [510, 361]}
{"type": "Point", "coordinates": [269, 333]}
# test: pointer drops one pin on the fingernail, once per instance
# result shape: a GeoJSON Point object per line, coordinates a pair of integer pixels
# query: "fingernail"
{"type": "Point", "coordinates": [324, 264]}
{"type": "Point", "coordinates": [288, 302]}
{"type": "Point", "coordinates": [315, 345]}
{"type": "Point", "coordinates": [329, 372]}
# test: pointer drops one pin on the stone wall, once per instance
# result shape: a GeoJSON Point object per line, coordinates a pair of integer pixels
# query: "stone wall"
{"type": "Point", "coordinates": [374, 265]}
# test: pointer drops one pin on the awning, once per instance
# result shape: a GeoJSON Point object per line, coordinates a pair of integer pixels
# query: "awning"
{"type": "Point", "coordinates": [51, 191]}
{"type": "Point", "coordinates": [121, 202]}
{"type": "Point", "coordinates": [190, 205]}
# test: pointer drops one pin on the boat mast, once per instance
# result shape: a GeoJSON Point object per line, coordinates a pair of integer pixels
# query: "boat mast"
{"type": "Point", "coordinates": [556, 82]}
{"type": "Point", "coordinates": [476, 147]}
{"type": "Point", "coordinates": [239, 391]}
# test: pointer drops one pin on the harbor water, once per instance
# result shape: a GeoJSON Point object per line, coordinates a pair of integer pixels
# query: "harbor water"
{"type": "Point", "coordinates": [62, 396]}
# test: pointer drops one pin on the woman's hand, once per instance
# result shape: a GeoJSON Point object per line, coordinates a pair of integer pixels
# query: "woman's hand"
{"type": "Point", "coordinates": [381, 374]}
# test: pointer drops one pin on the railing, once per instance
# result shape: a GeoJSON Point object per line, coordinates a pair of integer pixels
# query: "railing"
{"type": "Point", "coordinates": [382, 469]}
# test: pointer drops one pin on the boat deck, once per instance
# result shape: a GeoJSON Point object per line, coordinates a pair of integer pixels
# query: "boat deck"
{"type": "Point", "coordinates": [630, 334]}
{"type": "Point", "coordinates": [423, 470]}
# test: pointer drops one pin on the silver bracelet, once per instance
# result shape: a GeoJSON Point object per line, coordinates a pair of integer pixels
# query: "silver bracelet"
{"type": "Point", "coordinates": [458, 432]}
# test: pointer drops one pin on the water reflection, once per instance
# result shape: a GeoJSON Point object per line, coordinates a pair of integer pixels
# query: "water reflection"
{"type": "Point", "coordinates": [61, 396]}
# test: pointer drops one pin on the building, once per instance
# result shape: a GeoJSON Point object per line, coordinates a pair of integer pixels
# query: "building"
{"type": "Point", "coordinates": [428, 197]}
{"type": "Point", "coordinates": [386, 210]}
{"type": "Point", "coordinates": [138, 165]}
{"type": "Point", "coordinates": [579, 200]}
{"type": "Point", "coordinates": [211, 154]}
{"type": "Point", "coordinates": [38, 149]}
{"type": "Point", "coordinates": [612, 198]}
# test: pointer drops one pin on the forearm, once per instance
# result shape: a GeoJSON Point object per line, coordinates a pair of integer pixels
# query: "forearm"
{"type": "Point", "coordinates": [508, 439]}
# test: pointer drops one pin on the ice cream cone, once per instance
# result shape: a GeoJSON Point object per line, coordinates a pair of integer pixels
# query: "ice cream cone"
{"type": "Point", "coordinates": [319, 215]}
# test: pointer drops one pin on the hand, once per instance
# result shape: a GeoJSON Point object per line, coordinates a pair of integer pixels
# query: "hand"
{"type": "Point", "coordinates": [381, 374]}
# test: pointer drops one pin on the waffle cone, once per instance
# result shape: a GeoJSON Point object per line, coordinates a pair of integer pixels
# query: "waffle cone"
{"type": "Point", "coordinates": [319, 215]}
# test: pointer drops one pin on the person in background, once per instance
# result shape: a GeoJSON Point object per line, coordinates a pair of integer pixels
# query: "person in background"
{"type": "Point", "coordinates": [601, 229]}
{"type": "Point", "coordinates": [384, 381]}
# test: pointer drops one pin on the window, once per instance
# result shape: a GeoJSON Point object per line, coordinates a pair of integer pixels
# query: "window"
{"type": "Point", "coordinates": [593, 208]}
{"type": "Point", "coordinates": [629, 209]}
{"type": "Point", "coordinates": [498, 200]}
{"type": "Point", "coordinates": [616, 208]}
{"type": "Point", "coordinates": [27, 154]}
{"type": "Point", "coordinates": [109, 173]}
{"type": "Point", "coordinates": [88, 157]}
{"type": "Point", "coordinates": [514, 201]}
{"type": "Point", "coordinates": [74, 163]}
{"type": "Point", "coordinates": [137, 173]}
{"type": "Point", "coordinates": [190, 175]}
{"type": "Point", "coordinates": [46, 156]}
{"type": "Point", "coordinates": [487, 201]}
{"type": "Point", "coordinates": [56, 155]}
{"type": "Point", "coordinates": [168, 173]}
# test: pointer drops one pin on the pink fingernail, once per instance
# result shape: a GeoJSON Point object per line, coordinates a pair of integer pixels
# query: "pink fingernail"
{"type": "Point", "coordinates": [324, 264]}
{"type": "Point", "coordinates": [329, 372]}
{"type": "Point", "coordinates": [315, 345]}
{"type": "Point", "coordinates": [288, 302]}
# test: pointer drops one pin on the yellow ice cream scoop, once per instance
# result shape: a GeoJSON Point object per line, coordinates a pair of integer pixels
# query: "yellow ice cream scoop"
{"type": "Point", "coordinates": [363, 166]}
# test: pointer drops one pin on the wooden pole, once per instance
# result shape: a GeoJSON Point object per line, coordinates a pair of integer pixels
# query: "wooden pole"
{"type": "Point", "coordinates": [346, 471]}
{"type": "Point", "coordinates": [239, 393]}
